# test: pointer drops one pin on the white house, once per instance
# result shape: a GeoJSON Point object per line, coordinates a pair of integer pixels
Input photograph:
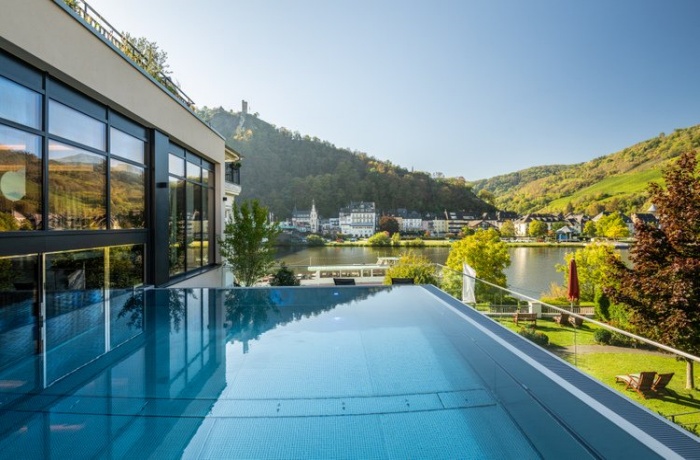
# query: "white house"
{"type": "Point", "coordinates": [359, 219]}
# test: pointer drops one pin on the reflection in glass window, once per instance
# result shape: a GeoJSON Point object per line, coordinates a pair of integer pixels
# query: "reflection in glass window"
{"type": "Point", "coordinates": [126, 304]}
{"type": "Point", "coordinates": [125, 266]}
{"type": "Point", "coordinates": [20, 338]}
{"type": "Point", "coordinates": [194, 227]}
{"type": "Point", "coordinates": [205, 235]}
{"type": "Point", "coordinates": [176, 165]}
{"type": "Point", "coordinates": [19, 104]}
{"type": "Point", "coordinates": [177, 223]}
{"type": "Point", "coordinates": [20, 180]}
{"type": "Point", "coordinates": [194, 172]}
{"type": "Point", "coordinates": [127, 195]}
{"type": "Point", "coordinates": [76, 126]}
{"type": "Point", "coordinates": [75, 321]}
{"type": "Point", "coordinates": [126, 146]}
{"type": "Point", "coordinates": [77, 188]}
{"type": "Point", "coordinates": [205, 177]}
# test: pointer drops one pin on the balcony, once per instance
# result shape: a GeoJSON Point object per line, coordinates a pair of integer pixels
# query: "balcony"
{"type": "Point", "coordinates": [232, 178]}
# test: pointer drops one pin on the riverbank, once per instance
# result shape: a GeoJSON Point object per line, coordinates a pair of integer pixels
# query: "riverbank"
{"type": "Point", "coordinates": [409, 244]}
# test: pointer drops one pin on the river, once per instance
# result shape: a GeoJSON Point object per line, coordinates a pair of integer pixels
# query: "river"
{"type": "Point", "coordinates": [531, 271]}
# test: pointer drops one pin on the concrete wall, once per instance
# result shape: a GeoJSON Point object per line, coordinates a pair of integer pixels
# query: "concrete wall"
{"type": "Point", "coordinates": [48, 37]}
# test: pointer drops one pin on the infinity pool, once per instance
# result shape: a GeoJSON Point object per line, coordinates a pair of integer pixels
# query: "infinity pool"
{"type": "Point", "coordinates": [338, 372]}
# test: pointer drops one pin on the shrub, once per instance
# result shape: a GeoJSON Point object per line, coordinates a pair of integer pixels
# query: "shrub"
{"type": "Point", "coordinates": [602, 336]}
{"type": "Point", "coordinates": [540, 338]}
{"type": "Point", "coordinates": [619, 316]}
{"type": "Point", "coordinates": [602, 306]}
{"type": "Point", "coordinates": [315, 240]}
{"type": "Point", "coordinates": [284, 277]}
{"type": "Point", "coordinates": [411, 265]}
{"type": "Point", "coordinates": [379, 239]}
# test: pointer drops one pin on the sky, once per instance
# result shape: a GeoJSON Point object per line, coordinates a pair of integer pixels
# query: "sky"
{"type": "Point", "coordinates": [470, 88]}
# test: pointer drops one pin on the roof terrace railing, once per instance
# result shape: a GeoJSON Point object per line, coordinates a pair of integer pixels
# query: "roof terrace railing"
{"type": "Point", "coordinates": [104, 28]}
{"type": "Point", "coordinates": [570, 312]}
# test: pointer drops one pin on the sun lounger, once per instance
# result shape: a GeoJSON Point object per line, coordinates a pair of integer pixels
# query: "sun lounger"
{"type": "Point", "coordinates": [562, 319]}
{"type": "Point", "coordinates": [660, 382]}
{"type": "Point", "coordinates": [641, 383]}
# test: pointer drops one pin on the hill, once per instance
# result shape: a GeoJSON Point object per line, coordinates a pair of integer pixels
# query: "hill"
{"type": "Point", "coordinates": [284, 170]}
{"type": "Point", "coordinates": [613, 182]}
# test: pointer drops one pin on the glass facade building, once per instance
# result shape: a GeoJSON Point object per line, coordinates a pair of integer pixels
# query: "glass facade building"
{"type": "Point", "coordinates": [107, 182]}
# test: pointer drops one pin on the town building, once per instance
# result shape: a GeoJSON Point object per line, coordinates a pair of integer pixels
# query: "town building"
{"type": "Point", "coordinates": [306, 220]}
{"type": "Point", "coordinates": [522, 225]}
{"type": "Point", "coordinates": [457, 220]}
{"type": "Point", "coordinates": [412, 222]}
{"type": "Point", "coordinates": [358, 219]}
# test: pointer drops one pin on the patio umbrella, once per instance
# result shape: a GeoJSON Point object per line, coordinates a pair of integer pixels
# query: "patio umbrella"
{"type": "Point", "coordinates": [573, 292]}
{"type": "Point", "coordinates": [574, 295]}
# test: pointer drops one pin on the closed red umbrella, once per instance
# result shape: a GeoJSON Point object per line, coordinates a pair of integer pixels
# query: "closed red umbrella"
{"type": "Point", "coordinates": [573, 292]}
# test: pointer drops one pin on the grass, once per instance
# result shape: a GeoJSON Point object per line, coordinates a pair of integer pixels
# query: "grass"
{"type": "Point", "coordinates": [609, 362]}
{"type": "Point", "coordinates": [559, 336]}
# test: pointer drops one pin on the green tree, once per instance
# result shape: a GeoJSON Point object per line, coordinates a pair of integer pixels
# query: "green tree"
{"type": "Point", "coordinates": [593, 265]}
{"type": "Point", "coordinates": [662, 288]}
{"type": "Point", "coordinates": [248, 242]}
{"type": "Point", "coordinates": [557, 225]}
{"type": "Point", "coordinates": [485, 253]}
{"type": "Point", "coordinates": [487, 196]}
{"type": "Point", "coordinates": [589, 229]}
{"type": "Point", "coordinates": [396, 239]}
{"type": "Point", "coordinates": [508, 229]}
{"type": "Point", "coordinates": [411, 265]}
{"type": "Point", "coordinates": [466, 231]}
{"type": "Point", "coordinates": [284, 277]}
{"type": "Point", "coordinates": [147, 55]}
{"type": "Point", "coordinates": [612, 226]}
{"type": "Point", "coordinates": [388, 224]}
{"type": "Point", "coordinates": [537, 229]}
{"type": "Point", "coordinates": [379, 239]}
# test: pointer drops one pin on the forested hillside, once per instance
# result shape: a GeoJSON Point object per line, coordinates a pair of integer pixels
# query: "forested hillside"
{"type": "Point", "coordinates": [284, 169]}
{"type": "Point", "coordinates": [613, 182]}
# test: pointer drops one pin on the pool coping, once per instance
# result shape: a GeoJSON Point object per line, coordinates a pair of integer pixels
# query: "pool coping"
{"type": "Point", "coordinates": [660, 435]}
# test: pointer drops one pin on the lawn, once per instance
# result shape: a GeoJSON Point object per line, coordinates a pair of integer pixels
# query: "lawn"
{"type": "Point", "coordinates": [608, 362]}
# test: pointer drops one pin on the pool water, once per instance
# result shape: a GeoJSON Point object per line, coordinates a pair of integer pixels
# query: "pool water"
{"type": "Point", "coordinates": [373, 377]}
{"type": "Point", "coordinates": [286, 373]}
{"type": "Point", "coordinates": [319, 372]}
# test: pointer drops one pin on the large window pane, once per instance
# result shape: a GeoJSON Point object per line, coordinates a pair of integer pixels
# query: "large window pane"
{"type": "Point", "coordinates": [77, 188]}
{"type": "Point", "coordinates": [176, 165]}
{"type": "Point", "coordinates": [75, 321]}
{"type": "Point", "coordinates": [194, 226]}
{"type": "Point", "coordinates": [194, 172]}
{"type": "Point", "coordinates": [20, 180]}
{"type": "Point", "coordinates": [126, 146]}
{"type": "Point", "coordinates": [205, 236]}
{"type": "Point", "coordinates": [127, 195]}
{"type": "Point", "coordinates": [126, 304]}
{"type": "Point", "coordinates": [20, 339]}
{"type": "Point", "coordinates": [19, 104]}
{"type": "Point", "coordinates": [76, 126]}
{"type": "Point", "coordinates": [177, 226]}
